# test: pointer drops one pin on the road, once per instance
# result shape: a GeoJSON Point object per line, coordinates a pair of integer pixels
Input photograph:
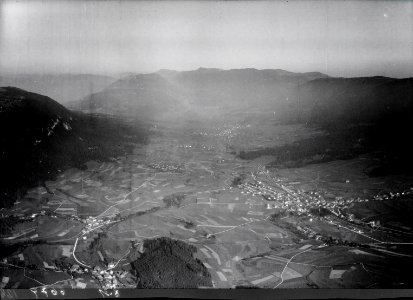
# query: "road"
{"type": "Point", "coordinates": [285, 267]}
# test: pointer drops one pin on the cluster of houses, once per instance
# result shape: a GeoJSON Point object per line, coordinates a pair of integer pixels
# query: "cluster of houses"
{"type": "Point", "coordinates": [108, 278]}
{"type": "Point", "coordinates": [166, 167]}
{"type": "Point", "coordinates": [92, 223]}
{"type": "Point", "coordinates": [257, 188]}
{"type": "Point", "coordinates": [184, 146]}
{"type": "Point", "coordinates": [203, 147]}
{"type": "Point", "coordinates": [301, 202]}
{"type": "Point", "coordinates": [310, 233]}
{"type": "Point", "coordinates": [229, 131]}
{"type": "Point", "coordinates": [391, 195]}
{"type": "Point", "coordinates": [201, 133]}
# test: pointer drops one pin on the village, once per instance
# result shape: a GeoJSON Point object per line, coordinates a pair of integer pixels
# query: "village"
{"type": "Point", "coordinates": [305, 203]}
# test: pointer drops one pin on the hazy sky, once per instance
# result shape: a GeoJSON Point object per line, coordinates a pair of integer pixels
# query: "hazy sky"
{"type": "Point", "coordinates": [337, 38]}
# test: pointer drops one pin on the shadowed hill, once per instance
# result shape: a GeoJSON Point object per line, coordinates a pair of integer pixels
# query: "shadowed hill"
{"type": "Point", "coordinates": [39, 138]}
{"type": "Point", "coordinates": [351, 100]}
{"type": "Point", "coordinates": [143, 95]}
{"type": "Point", "coordinates": [62, 87]}
{"type": "Point", "coordinates": [360, 115]}
{"type": "Point", "coordinates": [168, 263]}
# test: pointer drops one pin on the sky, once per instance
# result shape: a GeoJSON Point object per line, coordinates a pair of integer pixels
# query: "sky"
{"type": "Point", "coordinates": [339, 38]}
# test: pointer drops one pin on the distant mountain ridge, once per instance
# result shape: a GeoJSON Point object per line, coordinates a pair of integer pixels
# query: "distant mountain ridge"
{"type": "Point", "coordinates": [169, 89]}
{"type": "Point", "coordinates": [61, 87]}
{"type": "Point", "coordinates": [311, 97]}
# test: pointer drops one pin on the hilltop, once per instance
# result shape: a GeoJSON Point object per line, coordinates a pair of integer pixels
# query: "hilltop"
{"type": "Point", "coordinates": [139, 95]}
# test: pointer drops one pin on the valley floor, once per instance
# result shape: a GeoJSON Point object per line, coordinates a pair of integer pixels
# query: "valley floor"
{"type": "Point", "coordinates": [86, 228]}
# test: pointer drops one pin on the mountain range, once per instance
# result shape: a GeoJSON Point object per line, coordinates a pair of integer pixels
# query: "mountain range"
{"type": "Point", "coordinates": [294, 97]}
{"type": "Point", "coordinates": [172, 90]}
